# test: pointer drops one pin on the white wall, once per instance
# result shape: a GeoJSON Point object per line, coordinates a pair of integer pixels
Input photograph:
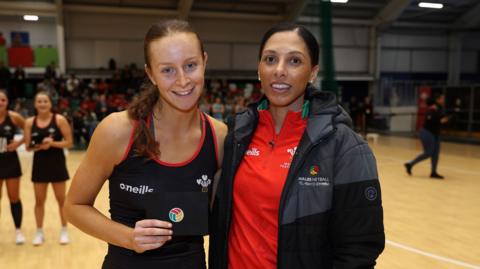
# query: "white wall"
{"type": "Point", "coordinates": [230, 44]}
{"type": "Point", "coordinates": [42, 32]}
{"type": "Point", "coordinates": [92, 39]}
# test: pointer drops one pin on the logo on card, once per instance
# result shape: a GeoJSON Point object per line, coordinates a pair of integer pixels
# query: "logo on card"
{"type": "Point", "coordinates": [314, 169]}
{"type": "Point", "coordinates": [176, 214]}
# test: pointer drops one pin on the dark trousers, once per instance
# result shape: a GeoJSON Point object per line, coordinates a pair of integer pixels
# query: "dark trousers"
{"type": "Point", "coordinates": [431, 149]}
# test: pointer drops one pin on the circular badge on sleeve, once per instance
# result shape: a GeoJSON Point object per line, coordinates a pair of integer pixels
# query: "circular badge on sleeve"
{"type": "Point", "coordinates": [371, 193]}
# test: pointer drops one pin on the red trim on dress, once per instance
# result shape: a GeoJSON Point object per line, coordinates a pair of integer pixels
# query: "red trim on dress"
{"type": "Point", "coordinates": [130, 142]}
{"type": "Point", "coordinates": [199, 148]}
{"type": "Point", "coordinates": [214, 139]}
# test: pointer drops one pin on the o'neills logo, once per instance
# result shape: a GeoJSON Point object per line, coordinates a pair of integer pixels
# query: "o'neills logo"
{"type": "Point", "coordinates": [253, 152]}
{"type": "Point", "coordinates": [142, 189]}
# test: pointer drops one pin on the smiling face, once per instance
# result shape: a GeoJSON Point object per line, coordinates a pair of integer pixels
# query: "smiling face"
{"type": "Point", "coordinates": [42, 103]}
{"type": "Point", "coordinates": [177, 67]}
{"type": "Point", "coordinates": [284, 69]}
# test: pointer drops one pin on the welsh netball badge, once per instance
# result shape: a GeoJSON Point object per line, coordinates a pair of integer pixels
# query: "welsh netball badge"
{"type": "Point", "coordinates": [204, 182]}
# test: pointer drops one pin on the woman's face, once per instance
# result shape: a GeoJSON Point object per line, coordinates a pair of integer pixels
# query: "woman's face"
{"type": "Point", "coordinates": [42, 104]}
{"type": "Point", "coordinates": [284, 69]}
{"type": "Point", "coordinates": [441, 100]}
{"type": "Point", "coordinates": [177, 68]}
{"type": "Point", "coordinates": [3, 101]}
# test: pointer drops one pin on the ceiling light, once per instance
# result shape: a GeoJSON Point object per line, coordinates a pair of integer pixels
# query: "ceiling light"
{"type": "Point", "coordinates": [339, 1]}
{"type": "Point", "coordinates": [430, 5]}
{"type": "Point", "coordinates": [30, 17]}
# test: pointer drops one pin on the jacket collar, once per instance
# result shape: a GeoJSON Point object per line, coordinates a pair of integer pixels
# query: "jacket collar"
{"type": "Point", "coordinates": [324, 114]}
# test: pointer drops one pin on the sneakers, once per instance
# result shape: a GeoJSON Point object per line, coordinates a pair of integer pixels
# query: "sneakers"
{"type": "Point", "coordinates": [436, 176]}
{"type": "Point", "coordinates": [64, 238]}
{"type": "Point", "coordinates": [39, 238]}
{"type": "Point", "coordinates": [408, 167]}
{"type": "Point", "coordinates": [19, 237]}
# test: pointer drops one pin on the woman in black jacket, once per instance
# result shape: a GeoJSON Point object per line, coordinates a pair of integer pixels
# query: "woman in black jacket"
{"type": "Point", "coordinates": [299, 188]}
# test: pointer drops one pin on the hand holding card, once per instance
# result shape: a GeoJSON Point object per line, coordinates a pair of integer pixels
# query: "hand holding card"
{"type": "Point", "coordinates": [187, 211]}
{"type": "Point", "coordinates": [150, 234]}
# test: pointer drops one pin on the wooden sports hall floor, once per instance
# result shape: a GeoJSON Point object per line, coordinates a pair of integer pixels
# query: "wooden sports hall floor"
{"type": "Point", "coordinates": [430, 224]}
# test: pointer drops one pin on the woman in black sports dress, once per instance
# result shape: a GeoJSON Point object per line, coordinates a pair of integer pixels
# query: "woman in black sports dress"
{"type": "Point", "coordinates": [47, 134]}
{"type": "Point", "coordinates": [163, 146]}
{"type": "Point", "coordinates": [10, 170]}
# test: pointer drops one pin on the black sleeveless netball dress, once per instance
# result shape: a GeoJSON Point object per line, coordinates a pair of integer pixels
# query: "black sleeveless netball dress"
{"type": "Point", "coordinates": [136, 177]}
{"type": "Point", "coordinates": [48, 165]}
{"type": "Point", "coordinates": [9, 162]}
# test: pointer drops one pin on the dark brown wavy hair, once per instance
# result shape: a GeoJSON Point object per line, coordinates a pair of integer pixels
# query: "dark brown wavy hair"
{"type": "Point", "coordinates": [142, 106]}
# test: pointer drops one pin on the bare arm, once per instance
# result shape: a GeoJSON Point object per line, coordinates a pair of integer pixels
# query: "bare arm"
{"type": "Point", "coordinates": [106, 149]}
{"type": "Point", "coordinates": [19, 121]}
{"type": "Point", "coordinates": [66, 131]}
{"type": "Point", "coordinates": [27, 134]}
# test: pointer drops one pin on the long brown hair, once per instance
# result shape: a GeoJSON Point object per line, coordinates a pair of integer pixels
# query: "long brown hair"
{"type": "Point", "coordinates": [143, 104]}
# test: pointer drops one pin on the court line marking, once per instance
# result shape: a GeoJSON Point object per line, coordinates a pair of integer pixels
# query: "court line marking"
{"type": "Point", "coordinates": [464, 171]}
{"type": "Point", "coordinates": [431, 255]}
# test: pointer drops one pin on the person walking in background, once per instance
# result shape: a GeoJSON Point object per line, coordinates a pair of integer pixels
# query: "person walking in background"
{"type": "Point", "coordinates": [430, 135]}
{"type": "Point", "coordinates": [47, 134]}
{"type": "Point", "coordinates": [10, 170]}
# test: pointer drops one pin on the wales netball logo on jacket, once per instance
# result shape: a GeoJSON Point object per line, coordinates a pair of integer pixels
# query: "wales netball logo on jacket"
{"type": "Point", "coordinates": [204, 182]}
{"type": "Point", "coordinates": [313, 179]}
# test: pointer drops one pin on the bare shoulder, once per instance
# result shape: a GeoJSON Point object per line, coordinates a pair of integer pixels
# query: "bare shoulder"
{"type": "Point", "coordinates": [110, 139]}
{"type": "Point", "coordinates": [59, 118]}
{"type": "Point", "coordinates": [115, 127]}
{"type": "Point", "coordinates": [219, 127]}
{"type": "Point", "coordinates": [29, 121]}
{"type": "Point", "coordinates": [16, 117]}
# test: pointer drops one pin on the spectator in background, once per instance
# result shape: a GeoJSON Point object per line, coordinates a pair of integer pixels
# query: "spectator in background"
{"type": "Point", "coordinates": [218, 109]}
{"type": "Point", "coordinates": [72, 84]}
{"type": "Point", "coordinates": [367, 114]}
{"type": "Point", "coordinates": [430, 135]}
{"type": "Point", "coordinates": [101, 107]}
{"type": "Point", "coordinates": [205, 105]}
{"type": "Point", "coordinates": [102, 87]}
{"type": "Point", "coordinates": [5, 76]}
{"type": "Point", "coordinates": [18, 83]}
{"type": "Point", "coordinates": [240, 105]}
{"type": "Point", "coordinates": [112, 64]}
{"type": "Point", "coordinates": [50, 71]}
{"type": "Point", "coordinates": [80, 129]}
{"type": "Point", "coordinates": [2, 40]}
{"type": "Point", "coordinates": [20, 108]}
{"type": "Point", "coordinates": [354, 110]}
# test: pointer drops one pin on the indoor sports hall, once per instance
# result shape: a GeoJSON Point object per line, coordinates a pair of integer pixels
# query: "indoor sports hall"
{"type": "Point", "coordinates": [388, 62]}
